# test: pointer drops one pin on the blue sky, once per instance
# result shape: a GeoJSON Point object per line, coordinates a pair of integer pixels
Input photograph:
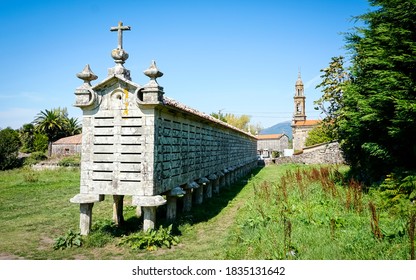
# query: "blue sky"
{"type": "Point", "coordinates": [240, 57]}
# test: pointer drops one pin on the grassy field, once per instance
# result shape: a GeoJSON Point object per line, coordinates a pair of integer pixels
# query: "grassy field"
{"type": "Point", "coordinates": [280, 212]}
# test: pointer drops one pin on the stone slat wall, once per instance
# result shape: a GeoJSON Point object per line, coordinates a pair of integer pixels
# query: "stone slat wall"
{"type": "Point", "coordinates": [188, 148]}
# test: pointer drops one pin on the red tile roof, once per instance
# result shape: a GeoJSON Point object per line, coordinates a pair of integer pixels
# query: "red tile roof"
{"type": "Point", "coordinates": [70, 140]}
{"type": "Point", "coordinates": [307, 123]}
{"type": "Point", "coordinates": [269, 136]}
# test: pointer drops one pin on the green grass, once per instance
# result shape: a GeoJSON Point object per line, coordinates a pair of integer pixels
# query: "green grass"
{"type": "Point", "coordinates": [298, 218]}
{"type": "Point", "coordinates": [261, 217]}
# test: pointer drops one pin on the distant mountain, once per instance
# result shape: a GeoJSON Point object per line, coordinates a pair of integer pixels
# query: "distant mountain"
{"type": "Point", "coordinates": [283, 127]}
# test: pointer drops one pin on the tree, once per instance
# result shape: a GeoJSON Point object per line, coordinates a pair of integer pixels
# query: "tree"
{"type": "Point", "coordinates": [335, 79]}
{"type": "Point", "coordinates": [9, 148]}
{"type": "Point", "coordinates": [72, 127]}
{"type": "Point", "coordinates": [241, 122]}
{"type": "Point", "coordinates": [52, 123]}
{"type": "Point", "coordinates": [377, 119]}
{"type": "Point", "coordinates": [318, 135]}
{"type": "Point", "coordinates": [27, 135]}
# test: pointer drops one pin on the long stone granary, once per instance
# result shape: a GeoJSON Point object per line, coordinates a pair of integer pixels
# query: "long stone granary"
{"type": "Point", "coordinates": [137, 142]}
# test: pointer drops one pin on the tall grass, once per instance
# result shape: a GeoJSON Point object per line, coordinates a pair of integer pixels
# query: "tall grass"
{"type": "Point", "coordinates": [314, 212]}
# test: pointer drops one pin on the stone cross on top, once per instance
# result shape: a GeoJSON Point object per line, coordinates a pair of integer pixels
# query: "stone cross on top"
{"type": "Point", "coordinates": [120, 28]}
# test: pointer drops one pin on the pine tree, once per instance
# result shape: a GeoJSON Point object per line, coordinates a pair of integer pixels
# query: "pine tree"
{"type": "Point", "coordinates": [377, 126]}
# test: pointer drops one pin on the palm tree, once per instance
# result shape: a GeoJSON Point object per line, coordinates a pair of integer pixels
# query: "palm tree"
{"type": "Point", "coordinates": [52, 123]}
{"type": "Point", "coordinates": [72, 127]}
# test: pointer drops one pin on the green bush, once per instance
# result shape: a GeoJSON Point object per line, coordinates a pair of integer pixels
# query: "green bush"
{"type": "Point", "coordinates": [34, 158]}
{"type": "Point", "coordinates": [9, 148]}
{"type": "Point", "coordinates": [70, 161]}
{"type": "Point", "coordinates": [275, 154]}
{"type": "Point", "coordinates": [40, 142]}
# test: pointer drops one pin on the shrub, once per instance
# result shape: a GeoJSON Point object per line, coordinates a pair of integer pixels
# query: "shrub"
{"type": "Point", "coordinates": [40, 142]}
{"type": "Point", "coordinates": [34, 158]}
{"type": "Point", "coordinates": [70, 161]}
{"type": "Point", "coordinates": [275, 154]}
{"type": "Point", "coordinates": [9, 148]}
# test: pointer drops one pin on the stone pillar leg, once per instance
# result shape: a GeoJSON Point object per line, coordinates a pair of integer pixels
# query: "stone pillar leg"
{"type": "Point", "coordinates": [205, 185]}
{"type": "Point", "coordinates": [149, 217]}
{"type": "Point", "coordinates": [86, 202]}
{"type": "Point", "coordinates": [208, 190]}
{"type": "Point", "coordinates": [216, 186]}
{"type": "Point", "coordinates": [199, 195]}
{"type": "Point", "coordinates": [187, 200]}
{"type": "Point", "coordinates": [172, 198]}
{"type": "Point", "coordinates": [171, 208]}
{"type": "Point", "coordinates": [227, 179]}
{"type": "Point", "coordinates": [231, 178]}
{"type": "Point", "coordinates": [85, 219]}
{"type": "Point", "coordinates": [148, 205]}
{"type": "Point", "coordinates": [138, 211]}
{"type": "Point", "coordinates": [118, 218]}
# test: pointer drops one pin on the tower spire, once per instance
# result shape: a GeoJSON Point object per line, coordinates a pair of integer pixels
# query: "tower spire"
{"type": "Point", "coordinates": [299, 100]}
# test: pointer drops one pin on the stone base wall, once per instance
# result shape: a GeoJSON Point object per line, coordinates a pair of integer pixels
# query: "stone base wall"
{"type": "Point", "coordinates": [66, 150]}
{"type": "Point", "coordinates": [327, 153]}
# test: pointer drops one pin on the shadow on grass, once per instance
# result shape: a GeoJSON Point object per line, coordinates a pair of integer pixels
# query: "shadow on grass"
{"type": "Point", "coordinates": [210, 207]}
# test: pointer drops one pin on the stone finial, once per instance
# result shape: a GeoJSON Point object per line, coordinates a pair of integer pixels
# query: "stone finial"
{"type": "Point", "coordinates": [151, 93]}
{"type": "Point", "coordinates": [153, 73]}
{"type": "Point", "coordinates": [85, 96]}
{"type": "Point", "coordinates": [87, 75]}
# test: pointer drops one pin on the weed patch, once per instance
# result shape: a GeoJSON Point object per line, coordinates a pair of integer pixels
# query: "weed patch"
{"type": "Point", "coordinates": [69, 240]}
{"type": "Point", "coordinates": [151, 239]}
{"type": "Point", "coordinates": [313, 212]}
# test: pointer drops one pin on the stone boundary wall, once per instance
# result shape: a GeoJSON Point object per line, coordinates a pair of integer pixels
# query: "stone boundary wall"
{"type": "Point", "coordinates": [66, 149]}
{"type": "Point", "coordinates": [327, 153]}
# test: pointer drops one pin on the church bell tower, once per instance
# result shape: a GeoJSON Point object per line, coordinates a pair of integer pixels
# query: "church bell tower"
{"type": "Point", "coordinates": [299, 101]}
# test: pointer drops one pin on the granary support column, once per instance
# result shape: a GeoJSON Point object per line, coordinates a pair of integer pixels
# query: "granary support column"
{"type": "Point", "coordinates": [187, 199]}
{"type": "Point", "coordinates": [86, 202]}
{"type": "Point", "coordinates": [226, 178]}
{"type": "Point", "coordinates": [215, 186]}
{"type": "Point", "coordinates": [221, 179]}
{"type": "Point", "coordinates": [232, 175]}
{"type": "Point", "coordinates": [201, 193]}
{"type": "Point", "coordinates": [172, 198]}
{"type": "Point", "coordinates": [208, 188]}
{"type": "Point", "coordinates": [149, 205]}
{"type": "Point", "coordinates": [118, 218]}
